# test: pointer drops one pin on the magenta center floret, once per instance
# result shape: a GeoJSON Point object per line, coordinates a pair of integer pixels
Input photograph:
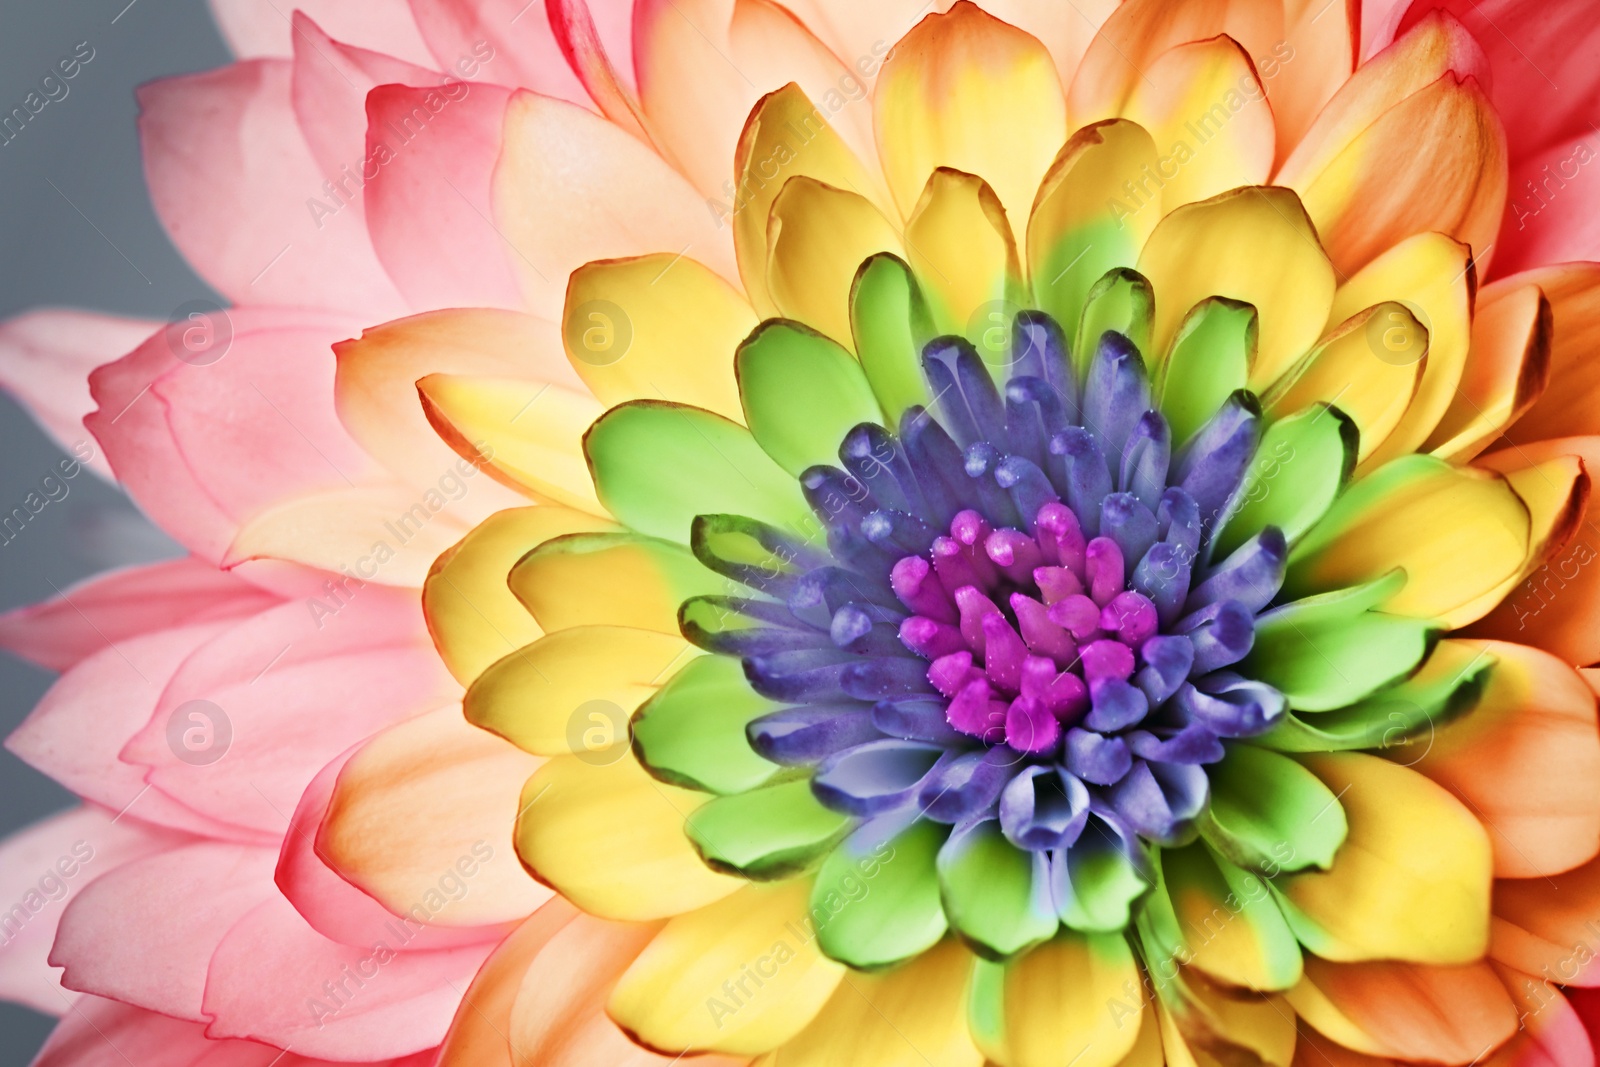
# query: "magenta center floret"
{"type": "Point", "coordinates": [1025, 633]}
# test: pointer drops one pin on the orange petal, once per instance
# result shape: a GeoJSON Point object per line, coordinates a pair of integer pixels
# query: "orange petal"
{"type": "Point", "coordinates": [477, 1036]}
{"type": "Point", "coordinates": [1526, 760]}
{"type": "Point", "coordinates": [421, 798]}
{"type": "Point", "coordinates": [1506, 371]}
{"type": "Point", "coordinates": [1550, 926]}
{"type": "Point", "coordinates": [1406, 1010]}
{"type": "Point", "coordinates": [1572, 403]}
{"type": "Point", "coordinates": [1556, 603]}
{"type": "Point", "coordinates": [1551, 1033]}
{"type": "Point", "coordinates": [1391, 158]}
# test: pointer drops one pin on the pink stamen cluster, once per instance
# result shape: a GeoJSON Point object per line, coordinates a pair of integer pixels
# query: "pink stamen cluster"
{"type": "Point", "coordinates": [1021, 629]}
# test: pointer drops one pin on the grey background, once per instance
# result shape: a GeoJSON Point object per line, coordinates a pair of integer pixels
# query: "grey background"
{"type": "Point", "coordinates": [95, 244]}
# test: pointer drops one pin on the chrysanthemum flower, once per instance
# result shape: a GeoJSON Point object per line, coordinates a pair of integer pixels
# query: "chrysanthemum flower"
{"type": "Point", "coordinates": [1065, 604]}
{"type": "Point", "coordinates": [1041, 550]}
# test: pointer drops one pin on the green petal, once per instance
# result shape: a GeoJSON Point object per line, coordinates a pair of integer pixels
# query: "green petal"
{"type": "Point", "coordinates": [1097, 882]}
{"type": "Point", "coordinates": [1448, 686]}
{"type": "Point", "coordinates": [609, 578]}
{"type": "Point", "coordinates": [1270, 814]}
{"type": "Point", "coordinates": [802, 392]}
{"type": "Point", "coordinates": [691, 733]}
{"type": "Point", "coordinates": [890, 321]}
{"type": "Point", "coordinates": [1122, 301]}
{"type": "Point", "coordinates": [1230, 924]}
{"type": "Point", "coordinates": [767, 833]}
{"type": "Point", "coordinates": [1329, 651]}
{"type": "Point", "coordinates": [748, 552]}
{"type": "Point", "coordinates": [1076, 263]}
{"type": "Point", "coordinates": [876, 902]}
{"type": "Point", "coordinates": [1210, 358]}
{"type": "Point", "coordinates": [658, 465]}
{"type": "Point", "coordinates": [1300, 467]}
{"type": "Point", "coordinates": [997, 896]}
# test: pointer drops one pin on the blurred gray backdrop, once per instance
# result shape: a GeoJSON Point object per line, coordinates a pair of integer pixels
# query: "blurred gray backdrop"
{"type": "Point", "coordinates": [90, 241]}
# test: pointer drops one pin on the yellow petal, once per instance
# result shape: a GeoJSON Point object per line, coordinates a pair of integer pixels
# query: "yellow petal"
{"type": "Point", "coordinates": [1055, 1001]}
{"type": "Point", "coordinates": [1208, 114]}
{"type": "Point", "coordinates": [817, 238]}
{"type": "Point", "coordinates": [574, 690]}
{"type": "Point", "coordinates": [609, 838]}
{"type": "Point", "coordinates": [1457, 533]}
{"type": "Point", "coordinates": [788, 136]}
{"type": "Point", "coordinates": [1253, 245]}
{"type": "Point", "coordinates": [1433, 277]}
{"type": "Point", "coordinates": [1084, 222]}
{"type": "Point", "coordinates": [472, 614]}
{"type": "Point", "coordinates": [1527, 761]}
{"type": "Point", "coordinates": [966, 91]}
{"type": "Point", "coordinates": [1359, 371]}
{"type": "Point", "coordinates": [912, 1016]}
{"type": "Point", "coordinates": [743, 975]}
{"type": "Point", "coordinates": [624, 580]}
{"type": "Point", "coordinates": [375, 386]}
{"type": "Point", "coordinates": [960, 246]}
{"type": "Point", "coordinates": [1206, 1025]}
{"type": "Point", "coordinates": [659, 327]}
{"type": "Point", "coordinates": [530, 434]}
{"type": "Point", "coordinates": [424, 798]}
{"type": "Point", "coordinates": [1507, 368]}
{"type": "Point", "coordinates": [1405, 1011]}
{"type": "Point", "coordinates": [572, 187]}
{"type": "Point", "coordinates": [1412, 879]}
{"type": "Point", "coordinates": [388, 534]}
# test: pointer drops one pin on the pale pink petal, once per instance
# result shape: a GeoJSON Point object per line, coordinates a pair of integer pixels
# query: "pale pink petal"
{"type": "Point", "coordinates": [329, 89]}
{"type": "Point", "coordinates": [145, 932]}
{"type": "Point", "coordinates": [76, 732]}
{"type": "Point", "coordinates": [1545, 55]}
{"type": "Point", "coordinates": [112, 607]}
{"type": "Point", "coordinates": [504, 41]}
{"type": "Point", "coordinates": [225, 146]}
{"type": "Point", "coordinates": [45, 360]}
{"type": "Point", "coordinates": [106, 1033]}
{"type": "Point", "coordinates": [597, 42]}
{"type": "Point", "coordinates": [1552, 207]}
{"type": "Point", "coordinates": [429, 205]}
{"type": "Point", "coordinates": [275, 979]}
{"type": "Point", "coordinates": [571, 187]}
{"type": "Point", "coordinates": [297, 686]}
{"type": "Point", "coordinates": [262, 28]}
{"type": "Point", "coordinates": [203, 446]}
{"type": "Point", "coordinates": [42, 868]}
{"type": "Point", "coordinates": [334, 907]}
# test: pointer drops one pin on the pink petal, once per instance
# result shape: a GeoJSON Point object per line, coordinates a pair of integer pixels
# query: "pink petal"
{"type": "Point", "coordinates": [1552, 207]}
{"type": "Point", "coordinates": [42, 868]}
{"type": "Point", "coordinates": [145, 932]}
{"type": "Point", "coordinates": [329, 89]}
{"type": "Point", "coordinates": [334, 907]}
{"type": "Point", "coordinates": [508, 40]}
{"type": "Point", "coordinates": [297, 688]}
{"type": "Point", "coordinates": [76, 732]}
{"type": "Point", "coordinates": [429, 206]}
{"type": "Point", "coordinates": [112, 607]}
{"type": "Point", "coordinates": [258, 27]}
{"type": "Point", "coordinates": [225, 146]}
{"type": "Point", "coordinates": [45, 360]}
{"type": "Point", "coordinates": [1546, 62]}
{"type": "Point", "coordinates": [275, 979]}
{"type": "Point", "coordinates": [597, 42]}
{"type": "Point", "coordinates": [204, 447]}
